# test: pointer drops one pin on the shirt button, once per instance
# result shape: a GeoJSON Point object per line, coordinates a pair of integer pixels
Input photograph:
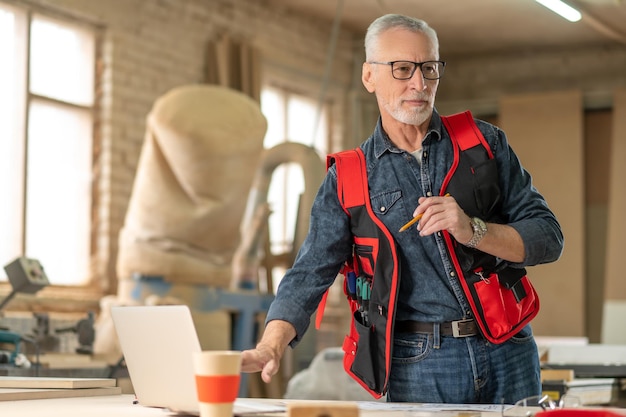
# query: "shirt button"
{"type": "Point", "coordinates": [429, 194]}
{"type": "Point", "coordinates": [424, 155]}
{"type": "Point", "coordinates": [383, 208]}
{"type": "Point", "coordinates": [452, 274]}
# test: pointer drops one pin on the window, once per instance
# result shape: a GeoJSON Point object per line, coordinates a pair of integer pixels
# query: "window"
{"type": "Point", "coordinates": [46, 123]}
{"type": "Point", "coordinates": [294, 118]}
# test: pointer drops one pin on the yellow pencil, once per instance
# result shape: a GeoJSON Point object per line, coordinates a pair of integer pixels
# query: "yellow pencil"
{"type": "Point", "coordinates": [415, 219]}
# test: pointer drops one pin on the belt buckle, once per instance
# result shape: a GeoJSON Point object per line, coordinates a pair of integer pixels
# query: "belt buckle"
{"type": "Point", "coordinates": [456, 331]}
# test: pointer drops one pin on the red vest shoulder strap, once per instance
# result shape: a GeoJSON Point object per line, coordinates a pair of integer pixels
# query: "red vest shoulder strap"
{"type": "Point", "coordinates": [463, 130]}
{"type": "Point", "coordinates": [351, 177]}
{"type": "Point", "coordinates": [351, 190]}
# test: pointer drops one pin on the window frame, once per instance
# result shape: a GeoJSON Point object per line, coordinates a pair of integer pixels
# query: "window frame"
{"type": "Point", "coordinates": [282, 245]}
{"type": "Point", "coordinates": [84, 296]}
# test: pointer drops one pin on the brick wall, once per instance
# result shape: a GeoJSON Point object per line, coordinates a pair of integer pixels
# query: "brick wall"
{"type": "Point", "coordinates": [151, 46]}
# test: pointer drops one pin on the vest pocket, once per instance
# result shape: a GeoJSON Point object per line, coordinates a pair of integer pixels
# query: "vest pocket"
{"type": "Point", "coordinates": [486, 188]}
{"type": "Point", "coordinates": [366, 252]}
{"type": "Point", "coordinates": [503, 308]}
{"type": "Point", "coordinates": [365, 259]}
{"type": "Point", "coordinates": [363, 365]}
{"type": "Point", "coordinates": [360, 348]}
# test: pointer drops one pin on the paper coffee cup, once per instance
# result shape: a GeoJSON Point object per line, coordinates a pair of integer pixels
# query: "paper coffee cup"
{"type": "Point", "coordinates": [217, 374]}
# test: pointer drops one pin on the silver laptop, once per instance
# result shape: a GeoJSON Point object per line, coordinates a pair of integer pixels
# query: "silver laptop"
{"type": "Point", "coordinates": [157, 343]}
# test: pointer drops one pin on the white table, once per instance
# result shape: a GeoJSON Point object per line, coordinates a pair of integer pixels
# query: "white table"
{"type": "Point", "coordinates": [123, 406]}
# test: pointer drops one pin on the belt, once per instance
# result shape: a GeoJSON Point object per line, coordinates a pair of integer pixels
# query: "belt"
{"type": "Point", "coordinates": [457, 328]}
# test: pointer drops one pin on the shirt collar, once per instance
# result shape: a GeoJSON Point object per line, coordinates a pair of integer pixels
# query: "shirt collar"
{"type": "Point", "coordinates": [382, 143]}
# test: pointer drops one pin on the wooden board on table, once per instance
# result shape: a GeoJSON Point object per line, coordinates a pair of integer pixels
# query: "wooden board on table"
{"type": "Point", "coordinates": [70, 361]}
{"type": "Point", "coordinates": [54, 382]}
{"type": "Point", "coordinates": [16, 394]}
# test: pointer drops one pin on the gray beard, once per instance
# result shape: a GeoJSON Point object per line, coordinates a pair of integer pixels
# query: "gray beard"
{"type": "Point", "coordinates": [409, 118]}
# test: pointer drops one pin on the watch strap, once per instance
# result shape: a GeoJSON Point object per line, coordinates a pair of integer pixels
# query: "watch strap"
{"type": "Point", "coordinates": [480, 229]}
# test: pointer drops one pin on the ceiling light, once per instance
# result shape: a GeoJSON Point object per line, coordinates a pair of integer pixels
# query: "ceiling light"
{"type": "Point", "coordinates": [560, 8]}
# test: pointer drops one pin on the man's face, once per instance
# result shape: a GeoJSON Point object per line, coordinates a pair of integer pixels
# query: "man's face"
{"type": "Point", "coordinates": [407, 101]}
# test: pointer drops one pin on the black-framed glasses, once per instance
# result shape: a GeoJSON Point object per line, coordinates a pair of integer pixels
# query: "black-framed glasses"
{"type": "Point", "coordinates": [404, 70]}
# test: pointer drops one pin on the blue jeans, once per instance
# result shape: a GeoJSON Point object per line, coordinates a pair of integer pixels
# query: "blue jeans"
{"type": "Point", "coordinates": [427, 368]}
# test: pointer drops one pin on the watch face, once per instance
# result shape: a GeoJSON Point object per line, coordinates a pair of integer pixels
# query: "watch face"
{"type": "Point", "coordinates": [481, 224]}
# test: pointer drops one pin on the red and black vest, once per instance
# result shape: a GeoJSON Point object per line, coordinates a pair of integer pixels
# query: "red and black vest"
{"type": "Point", "coordinates": [501, 309]}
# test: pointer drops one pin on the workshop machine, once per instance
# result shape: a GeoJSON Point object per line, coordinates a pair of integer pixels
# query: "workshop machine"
{"type": "Point", "coordinates": [26, 275]}
{"type": "Point", "coordinates": [9, 347]}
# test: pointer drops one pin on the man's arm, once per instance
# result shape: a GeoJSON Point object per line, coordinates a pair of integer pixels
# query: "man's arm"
{"type": "Point", "coordinates": [443, 213]}
{"type": "Point", "coordinates": [501, 241]}
{"type": "Point", "coordinates": [269, 351]}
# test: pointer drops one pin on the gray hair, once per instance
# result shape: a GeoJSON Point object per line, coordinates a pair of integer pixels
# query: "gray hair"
{"type": "Point", "coordinates": [393, 21]}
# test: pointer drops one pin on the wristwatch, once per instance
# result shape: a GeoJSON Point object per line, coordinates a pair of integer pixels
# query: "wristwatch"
{"type": "Point", "coordinates": [480, 230]}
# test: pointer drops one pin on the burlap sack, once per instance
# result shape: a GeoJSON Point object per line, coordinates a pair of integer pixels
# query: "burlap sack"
{"type": "Point", "coordinates": [196, 167]}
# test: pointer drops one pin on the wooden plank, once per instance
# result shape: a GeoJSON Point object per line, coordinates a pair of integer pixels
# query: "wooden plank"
{"type": "Point", "coordinates": [54, 382]}
{"type": "Point", "coordinates": [70, 361]}
{"type": "Point", "coordinates": [323, 410]}
{"type": "Point", "coordinates": [615, 286]}
{"type": "Point", "coordinates": [546, 131]}
{"type": "Point", "coordinates": [557, 375]}
{"type": "Point", "coordinates": [17, 394]}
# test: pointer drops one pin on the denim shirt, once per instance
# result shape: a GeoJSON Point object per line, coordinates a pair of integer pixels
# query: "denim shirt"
{"type": "Point", "coordinates": [429, 291]}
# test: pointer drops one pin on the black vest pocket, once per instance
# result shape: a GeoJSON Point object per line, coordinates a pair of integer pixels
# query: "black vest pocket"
{"type": "Point", "coordinates": [474, 184]}
{"type": "Point", "coordinates": [486, 188]}
{"type": "Point", "coordinates": [364, 365]}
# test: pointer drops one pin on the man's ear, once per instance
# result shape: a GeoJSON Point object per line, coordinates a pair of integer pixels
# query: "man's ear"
{"type": "Point", "coordinates": [367, 77]}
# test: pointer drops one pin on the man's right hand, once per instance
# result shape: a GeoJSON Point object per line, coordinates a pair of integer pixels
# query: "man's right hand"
{"type": "Point", "coordinates": [262, 359]}
{"type": "Point", "coordinates": [265, 358]}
